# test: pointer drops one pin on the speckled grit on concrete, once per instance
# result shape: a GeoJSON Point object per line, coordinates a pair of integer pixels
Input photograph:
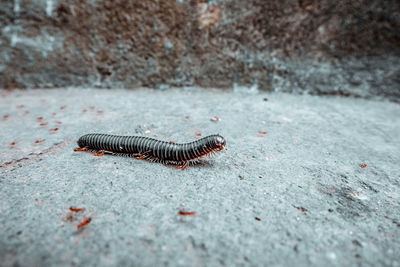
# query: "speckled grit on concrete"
{"type": "Point", "coordinates": [320, 187]}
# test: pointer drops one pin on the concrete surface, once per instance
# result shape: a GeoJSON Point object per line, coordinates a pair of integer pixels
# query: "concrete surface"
{"type": "Point", "coordinates": [298, 195]}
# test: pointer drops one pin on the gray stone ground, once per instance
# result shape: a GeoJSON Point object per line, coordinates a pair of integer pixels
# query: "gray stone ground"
{"type": "Point", "coordinates": [302, 179]}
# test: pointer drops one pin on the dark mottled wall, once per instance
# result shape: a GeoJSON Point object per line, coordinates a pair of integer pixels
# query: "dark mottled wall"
{"type": "Point", "coordinates": [349, 47]}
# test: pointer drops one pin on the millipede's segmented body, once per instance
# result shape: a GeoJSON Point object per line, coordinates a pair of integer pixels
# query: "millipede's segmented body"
{"type": "Point", "coordinates": [152, 149]}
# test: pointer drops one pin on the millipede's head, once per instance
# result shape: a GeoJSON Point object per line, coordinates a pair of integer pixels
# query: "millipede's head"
{"type": "Point", "coordinates": [219, 142]}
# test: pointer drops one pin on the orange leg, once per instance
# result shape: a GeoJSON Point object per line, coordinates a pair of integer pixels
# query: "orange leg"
{"type": "Point", "coordinates": [80, 149]}
{"type": "Point", "coordinates": [99, 154]}
{"type": "Point", "coordinates": [183, 166]}
{"type": "Point", "coordinates": [142, 156]}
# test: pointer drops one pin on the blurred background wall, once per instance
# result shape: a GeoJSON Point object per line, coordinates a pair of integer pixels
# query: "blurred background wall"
{"type": "Point", "coordinates": [346, 47]}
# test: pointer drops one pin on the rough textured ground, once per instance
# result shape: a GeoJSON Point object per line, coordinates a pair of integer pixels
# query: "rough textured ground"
{"type": "Point", "coordinates": [317, 46]}
{"type": "Point", "coordinates": [297, 195]}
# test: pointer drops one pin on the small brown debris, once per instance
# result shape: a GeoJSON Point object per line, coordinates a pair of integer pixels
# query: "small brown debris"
{"type": "Point", "coordinates": [99, 112]}
{"type": "Point", "coordinates": [76, 209]}
{"type": "Point", "coordinates": [53, 129]}
{"type": "Point", "coordinates": [6, 116]}
{"type": "Point", "coordinates": [54, 113]}
{"type": "Point", "coordinates": [187, 117]}
{"type": "Point", "coordinates": [44, 123]}
{"type": "Point", "coordinates": [39, 118]}
{"type": "Point", "coordinates": [241, 177]}
{"type": "Point", "coordinates": [301, 209]}
{"type": "Point", "coordinates": [12, 144]}
{"type": "Point", "coordinates": [26, 112]}
{"type": "Point", "coordinates": [257, 219]}
{"type": "Point", "coordinates": [70, 217]}
{"type": "Point", "coordinates": [91, 107]}
{"type": "Point", "coordinates": [215, 119]}
{"type": "Point", "coordinates": [59, 122]}
{"type": "Point", "coordinates": [20, 106]}
{"type": "Point", "coordinates": [186, 213]}
{"type": "Point", "coordinates": [40, 141]}
{"type": "Point", "coordinates": [62, 10]}
{"type": "Point", "coordinates": [63, 107]}
{"type": "Point", "coordinates": [84, 110]}
{"type": "Point", "coordinates": [84, 223]}
{"type": "Point", "coordinates": [198, 134]}
{"type": "Point", "coordinates": [363, 165]}
{"type": "Point", "coordinates": [38, 201]}
{"type": "Point", "coordinates": [260, 132]}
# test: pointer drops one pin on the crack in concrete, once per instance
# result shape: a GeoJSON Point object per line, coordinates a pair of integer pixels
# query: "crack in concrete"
{"type": "Point", "coordinates": [34, 157]}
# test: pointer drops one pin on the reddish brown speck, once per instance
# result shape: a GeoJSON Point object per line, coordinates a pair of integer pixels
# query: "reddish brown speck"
{"type": "Point", "coordinates": [99, 111]}
{"type": "Point", "coordinates": [20, 106]}
{"type": "Point", "coordinates": [257, 219]}
{"type": "Point", "coordinates": [76, 209]}
{"type": "Point", "coordinates": [26, 112]}
{"type": "Point", "coordinates": [260, 132]}
{"type": "Point", "coordinates": [62, 10]}
{"type": "Point", "coordinates": [302, 209]}
{"type": "Point", "coordinates": [69, 217]}
{"type": "Point", "coordinates": [12, 144]}
{"type": "Point", "coordinates": [53, 129]}
{"type": "Point", "coordinates": [171, 142]}
{"type": "Point", "coordinates": [53, 113]}
{"type": "Point", "coordinates": [187, 117]}
{"type": "Point", "coordinates": [39, 118]}
{"type": "Point", "coordinates": [215, 119]}
{"type": "Point", "coordinates": [63, 107]}
{"type": "Point", "coordinates": [84, 223]}
{"type": "Point", "coordinates": [84, 110]}
{"type": "Point", "coordinates": [186, 213]}
{"type": "Point", "coordinates": [58, 122]}
{"type": "Point", "coordinates": [40, 141]}
{"type": "Point", "coordinates": [198, 134]}
{"type": "Point", "coordinates": [91, 107]}
{"type": "Point", "coordinates": [6, 116]}
{"type": "Point", "coordinates": [44, 123]}
{"type": "Point", "coordinates": [363, 165]}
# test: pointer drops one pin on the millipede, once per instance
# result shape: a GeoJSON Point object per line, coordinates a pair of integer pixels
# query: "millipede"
{"type": "Point", "coordinates": [142, 147]}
